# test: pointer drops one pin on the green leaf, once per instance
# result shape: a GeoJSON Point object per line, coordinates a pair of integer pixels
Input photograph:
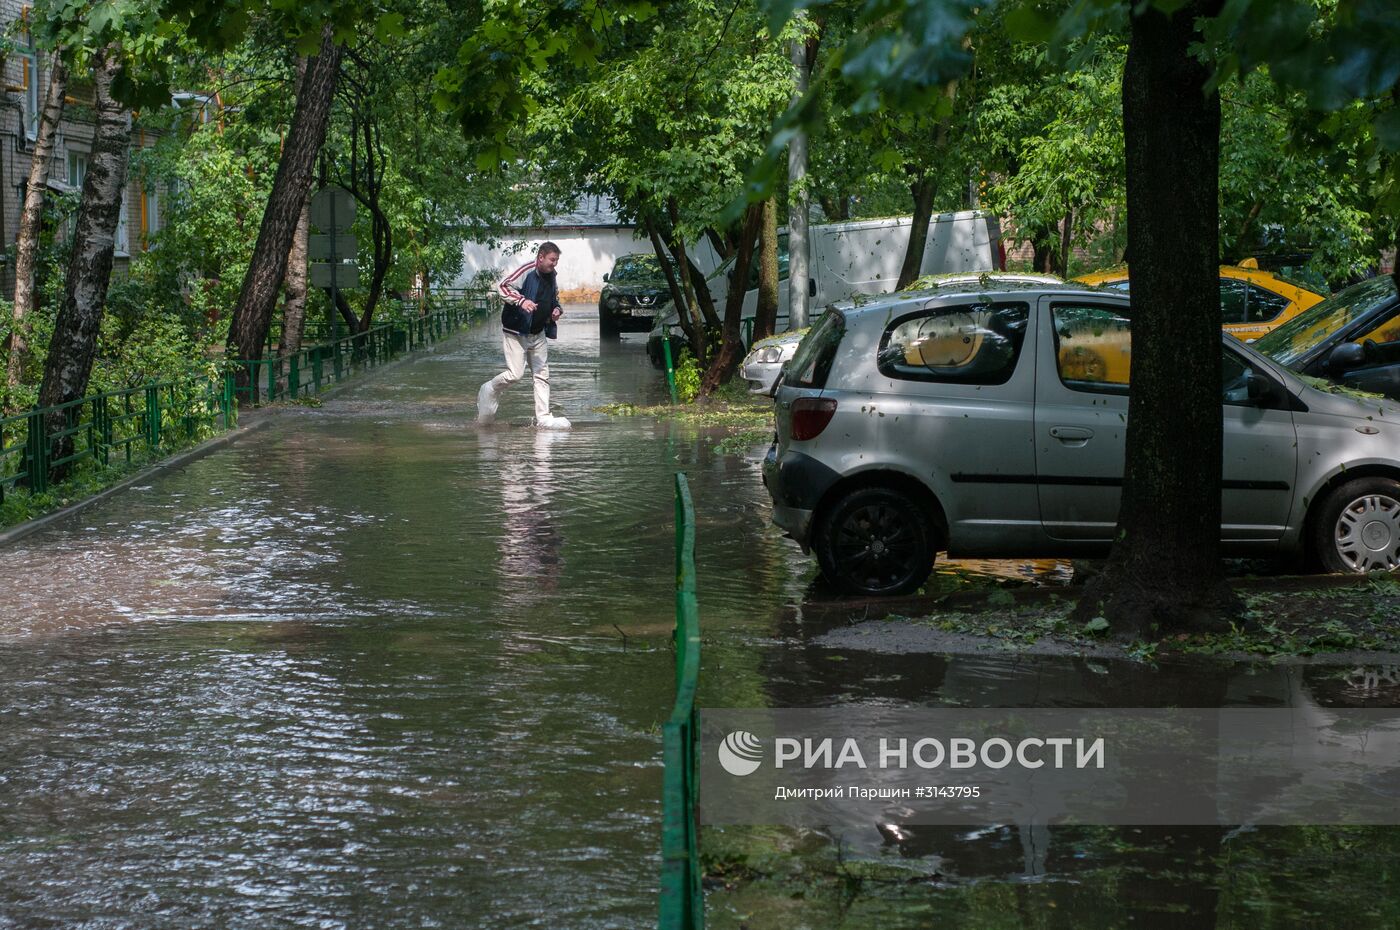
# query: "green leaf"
{"type": "Point", "coordinates": [1096, 625]}
{"type": "Point", "coordinates": [1029, 25]}
{"type": "Point", "coordinates": [1388, 129]}
{"type": "Point", "coordinates": [390, 26]}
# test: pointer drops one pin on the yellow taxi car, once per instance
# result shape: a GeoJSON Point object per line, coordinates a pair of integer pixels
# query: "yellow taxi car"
{"type": "Point", "coordinates": [1252, 302]}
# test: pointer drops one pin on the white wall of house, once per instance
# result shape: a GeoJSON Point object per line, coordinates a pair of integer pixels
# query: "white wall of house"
{"type": "Point", "coordinates": [585, 255]}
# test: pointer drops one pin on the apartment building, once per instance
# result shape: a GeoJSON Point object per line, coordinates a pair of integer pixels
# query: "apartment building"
{"type": "Point", "coordinates": [25, 75]}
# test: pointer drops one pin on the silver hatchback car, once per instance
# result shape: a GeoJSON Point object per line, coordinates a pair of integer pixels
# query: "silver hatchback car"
{"type": "Point", "coordinates": [989, 420]}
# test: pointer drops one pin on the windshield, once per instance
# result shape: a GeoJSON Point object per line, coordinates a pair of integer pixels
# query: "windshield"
{"type": "Point", "coordinates": [1304, 332]}
{"type": "Point", "coordinates": [812, 361]}
{"type": "Point", "coordinates": [636, 268]}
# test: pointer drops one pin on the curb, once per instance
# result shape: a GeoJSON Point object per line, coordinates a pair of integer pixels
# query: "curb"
{"type": "Point", "coordinates": [257, 419]}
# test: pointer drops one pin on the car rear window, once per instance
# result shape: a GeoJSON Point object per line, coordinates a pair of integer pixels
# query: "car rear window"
{"type": "Point", "coordinates": [811, 363]}
{"type": "Point", "coordinates": [965, 343]}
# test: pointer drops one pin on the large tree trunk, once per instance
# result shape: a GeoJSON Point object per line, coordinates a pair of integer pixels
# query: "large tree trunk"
{"type": "Point", "coordinates": [1066, 242]}
{"type": "Point", "coordinates": [1042, 257]}
{"type": "Point", "coordinates": [731, 350]}
{"type": "Point", "coordinates": [74, 344]}
{"type": "Point", "coordinates": [922, 190]}
{"type": "Point", "coordinates": [1164, 573]}
{"type": "Point", "coordinates": [294, 286]}
{"type": "Point", "coordinates": [765, 321]}
{"type": "Point", "coordinates": [31, 219]}
{"type": "Point", "coordinates": [690, 325]}
{"type": "Point", "coordinates": [252, 316]}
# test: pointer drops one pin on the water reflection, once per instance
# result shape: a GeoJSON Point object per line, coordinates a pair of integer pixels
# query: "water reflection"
{"type": "Point", "coordinates": [376, 667]}
{"type": "Point", "coordinates": [371, 666]}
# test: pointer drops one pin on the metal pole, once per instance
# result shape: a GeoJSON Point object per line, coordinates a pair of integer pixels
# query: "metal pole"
{"type": "Point", "coordinates": [670, 368]}
{"type": "Point", "coordinates": [335, 290]}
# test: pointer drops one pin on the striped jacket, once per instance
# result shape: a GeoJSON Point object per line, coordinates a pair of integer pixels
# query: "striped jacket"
{"type": "Point", "coordinates": [526, 283]}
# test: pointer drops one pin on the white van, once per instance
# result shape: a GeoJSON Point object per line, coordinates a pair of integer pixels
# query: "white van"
{"type": "Point", "coordinates": [862, 257]}
{"type": "Point", "coordinates": [865, 257]}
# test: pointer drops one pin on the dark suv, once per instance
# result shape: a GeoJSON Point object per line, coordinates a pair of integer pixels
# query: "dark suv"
{"type": "Point", "coordinates": [632, 293]}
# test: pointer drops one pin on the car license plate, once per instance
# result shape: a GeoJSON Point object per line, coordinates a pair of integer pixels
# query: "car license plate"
{"type": "Point", "coordinates": [641, 311]}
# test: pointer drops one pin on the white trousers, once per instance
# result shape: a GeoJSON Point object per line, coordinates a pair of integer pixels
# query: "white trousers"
{"type": "Point", "coordinates": [519, 350]}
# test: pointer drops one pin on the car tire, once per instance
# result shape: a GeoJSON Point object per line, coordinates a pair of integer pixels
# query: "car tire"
{"type": "Point", "coordinates": [1357, 529]}
{"type": "Point", "coordinates": [875, 541]}
{"type": "Point", "coordinates": [607, 329]}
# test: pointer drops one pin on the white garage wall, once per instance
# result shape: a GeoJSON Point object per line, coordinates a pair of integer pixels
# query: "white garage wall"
{"type": "Point", "coordinates": [585, 254]}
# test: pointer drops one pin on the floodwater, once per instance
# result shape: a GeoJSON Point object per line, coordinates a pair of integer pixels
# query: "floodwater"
{"type": "Point", "coordinates": [375, 667]}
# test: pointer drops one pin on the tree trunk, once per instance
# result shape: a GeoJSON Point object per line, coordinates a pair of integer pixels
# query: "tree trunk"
{"type": "Point", "coordinates": [1164, 573]}
{"type": "Point", "coordinates": [690, 277]}
{"type": "Point", "coordinates": [799, 274]}
{"type": "Point", "coordinates": [765, 321]}
{"type": "Point", "coordinates": [347, 312]}
{"type": "Point", "coordinates": [731, 350]}
{"type": "Point", "coordinates": [252, 316]}
{"type": "Point", "coordinates": [31, 219]}
{"type": "Point", "coordinates": [294, 286]}
{"type": "Point", "coordinates": [1042, 257]}
{"type": "Point", "coordinates": [1066, 239]}
{"type": "Point", "coordinates": [74, 344]}
{"type": "Point", "coordinates": [923, 190]}
{"type": "Point", "coordinates": [689, 325]}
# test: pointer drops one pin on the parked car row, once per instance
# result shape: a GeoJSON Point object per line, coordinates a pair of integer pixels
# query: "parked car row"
{"type": "Point", "coordinates": [987, 417]}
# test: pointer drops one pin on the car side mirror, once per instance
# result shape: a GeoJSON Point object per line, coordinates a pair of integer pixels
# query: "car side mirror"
{"type": "Point", "coordinates": [605, 277]}
{"type": "Point", "coordinates": [1345, 357]}
{"type": "Point", "coordinates": [1259, 388]}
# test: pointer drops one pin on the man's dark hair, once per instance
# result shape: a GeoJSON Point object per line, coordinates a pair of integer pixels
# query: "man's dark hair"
{"type": "Point", "coordinates": [547, 248]}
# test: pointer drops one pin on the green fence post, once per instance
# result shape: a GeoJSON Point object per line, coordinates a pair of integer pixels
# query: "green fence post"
{"type": "Point", "coordinates": [102, 419]}
{"type": "Point", "coordinates": [670, 368]}
{"type": "Point", "coordinates": [682, 899]}
{"type": "Point", "coordinates": [227, 399]}
{"type": "Point", "coordinates": [36, 454]}
{"type": "Point", "coordinates": [152, 417]}
{"type": "Point", "coordinates": [294, 376]}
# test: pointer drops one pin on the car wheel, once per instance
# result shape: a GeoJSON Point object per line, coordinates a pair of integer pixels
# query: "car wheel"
{"type": "Point", "coordinates": [875, 541]}
{"type": "Point", "coordinates": [1358, 527]}
{"type": "Point", "coordinates": [607, 329]}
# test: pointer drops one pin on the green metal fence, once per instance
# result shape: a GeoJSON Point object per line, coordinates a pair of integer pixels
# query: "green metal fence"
{"type": "Point", "coordinates": [112, 426]}
{"type": "Point", "coordinates": [149, 421]}
{"type": "Point", "coordinates": [390, 310]}
{"type": "Point", "coordinates": [682, 899]}
{"type": "Point", "coordinates": [308, 371]}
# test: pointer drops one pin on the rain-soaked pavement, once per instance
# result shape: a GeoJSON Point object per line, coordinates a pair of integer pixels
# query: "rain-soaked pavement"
{"type": "Point", "coordinates": [375, 667]}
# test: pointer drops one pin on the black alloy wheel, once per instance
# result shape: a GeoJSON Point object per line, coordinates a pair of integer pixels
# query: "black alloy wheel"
{"type": "Point", "coordinates": [875, 541]}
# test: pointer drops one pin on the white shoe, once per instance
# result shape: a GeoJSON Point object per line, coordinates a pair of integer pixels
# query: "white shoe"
{"type": "Point", "coordinates": [552, 422]}
{"type": "Point", "coordinates": [483, 401]}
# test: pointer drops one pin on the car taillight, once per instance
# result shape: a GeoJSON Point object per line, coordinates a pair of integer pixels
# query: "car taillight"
{"type": "Point", "coordinates": [810, 416]}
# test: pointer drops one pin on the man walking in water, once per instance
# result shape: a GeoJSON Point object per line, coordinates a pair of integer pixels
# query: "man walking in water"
{"type": "Point", "coordinates": [531, 296]}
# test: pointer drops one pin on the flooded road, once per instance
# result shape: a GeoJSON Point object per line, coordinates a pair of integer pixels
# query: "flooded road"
{"type": "Point", "coordinates": [370, 666]}
{"type": "Point", "coordinates": [375, 667]}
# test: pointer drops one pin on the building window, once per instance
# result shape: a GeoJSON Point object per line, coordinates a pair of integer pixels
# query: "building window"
{"type": "Point", "coordinates": [77, 169]}
{"type": "Point", "coordinates": [123, 243]}
{"type": "Point", "coordinates": [29, 63]}
{"type": "Point", "coordinates": [150, 216]}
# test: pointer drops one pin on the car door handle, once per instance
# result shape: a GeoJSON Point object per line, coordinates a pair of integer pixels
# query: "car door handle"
{"type": "Point", "coordinates": [1072, 435]}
